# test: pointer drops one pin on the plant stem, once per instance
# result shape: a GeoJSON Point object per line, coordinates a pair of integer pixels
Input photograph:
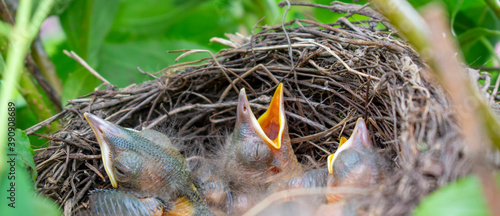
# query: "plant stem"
{"type": "Point", "coordinates": [45, 65]}
{"type": "Point", "coordinates": [34, 98]}
{"type": "Point", "coordinates": [37, 63]}
{"type": "Point", "coordinates": [21, 36]}
{"type": "Point", "coordinates": [495, 6]}
{"type": "Point", "coordinates": [417, 31]}
{"type": "Point", "coordinates": [407, 21]}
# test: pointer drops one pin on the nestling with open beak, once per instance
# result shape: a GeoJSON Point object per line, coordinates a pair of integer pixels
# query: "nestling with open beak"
{"type": "Point", "coordinates": [258, 152]}
{"type": "Point", "coordinates": [356, 163]}
{"type": "Point", "coordinates": [145, 165]}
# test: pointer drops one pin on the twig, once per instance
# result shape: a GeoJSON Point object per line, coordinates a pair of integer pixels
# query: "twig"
{"type": "Point", "coordinates": [74, 56]}
{"type": "Point", "coordinates": [147, 100]}
{"type": "Point", "coordinates": [223, 70]}
{"type": "Point", "coordinates": [95, 170]}
{"type": "Point", "coordinates": [241, 77]}
{"type": "Point", "coordinates": [146, 73]}
{"type": "Point", "coordinates": [80, 156]}
{"type": "Point", "coordinates": [341, 7]}
{"type": "Point", "coordinates": [252, 39]}
{"type": "Point", "coordinates": [338, 58]}
{"type": "Point", "coordinates": [477, 119]}
{"type": "Point", "coordinates": [5, 13]}
{"type": "Point", "coordinates": [45, 122]}
{"type": "Point", "coordinates": [286, 34]}
{"type": "Point", "coordinates": [323, 133]}
{"type": "Point", "coordinates": [34, 98]}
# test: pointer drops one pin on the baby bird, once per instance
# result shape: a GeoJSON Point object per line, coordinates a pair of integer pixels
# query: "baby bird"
{"type": "Point", "coordinates": [146, 165]}
{"type": "Point", "coordinates": [259, 151]}
{"type": "Point", "coordinates": [356, 163]}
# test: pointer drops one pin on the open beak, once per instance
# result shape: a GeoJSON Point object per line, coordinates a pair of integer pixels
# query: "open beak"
{"type": "Point", "coordinates": [245, 116]}
{"type": "Point", "coordinates": [359, 136]}
{"type": "Point", "coordinates": [271, 124]}
{"type": "Point", "coordinates": [100, 128]}
{"type": "Point", "coordinates": [273, 120]}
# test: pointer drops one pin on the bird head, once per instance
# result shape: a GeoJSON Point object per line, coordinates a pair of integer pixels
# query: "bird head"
{"type": "Point", "coordinates": [355, 163]}
{"type": "Point", "coordinates": [263, 146]}
{"type": "Point", "coordinates": [132, 160]}
{"type": "Point", "coordinates": [146, 163]}
{"type": "Point", "coordinates": [358, 142]}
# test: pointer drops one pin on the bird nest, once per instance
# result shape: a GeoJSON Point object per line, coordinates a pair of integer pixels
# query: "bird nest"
{"type": "Point", "coordinates": [332, 73]}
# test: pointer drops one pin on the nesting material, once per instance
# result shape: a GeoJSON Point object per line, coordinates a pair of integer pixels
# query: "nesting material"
{"type": "Point", "coordinates": [332, 74]}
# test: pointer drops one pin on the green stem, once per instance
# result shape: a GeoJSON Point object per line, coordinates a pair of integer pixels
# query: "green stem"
{"type": "Point", "coordinates": [407, 20]}
{"type": "Point", "coordinates": [13, 66]}
{"type": "Point", "coordinates": [416, 30]}
{"type": "Point", "coordinates": [4, 29]}
{"type": "Point", "coordinates": [21, 36]}
{"type": "Point", "coordinates": [35, 100]}
{"type": "Point", "coordinates": [45, 65]}
{"type": "Point", "coordinates": [495, 6]}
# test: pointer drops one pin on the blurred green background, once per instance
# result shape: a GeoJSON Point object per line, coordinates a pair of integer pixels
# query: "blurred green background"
{"type": "Point", "coordinates": [117, 36]}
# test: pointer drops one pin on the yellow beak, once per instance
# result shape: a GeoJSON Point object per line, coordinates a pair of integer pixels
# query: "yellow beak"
{"type": "Point", "coordinates": [273, 121]}
{"type": "Point", "coordinates": [100, 128]}
{"type": "Point", "coordinates": [358, 136]}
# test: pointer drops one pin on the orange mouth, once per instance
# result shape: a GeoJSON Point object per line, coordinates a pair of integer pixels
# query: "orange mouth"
{"type": "Point", "coordinates": [273, 120]}
{"type": "Point", "coordinates": [271, 125]}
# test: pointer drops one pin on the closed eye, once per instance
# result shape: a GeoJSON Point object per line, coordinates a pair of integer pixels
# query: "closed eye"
{"type": "Point", "coordinates": [119, 171]}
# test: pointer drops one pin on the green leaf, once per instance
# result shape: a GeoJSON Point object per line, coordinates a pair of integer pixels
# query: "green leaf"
{"type": "Point", "coordinates": [463, 197]}
{"type": "Point", "coordinates": [470, 17]}
{"type": "Point", "coordinates": [474, 34]}
{"type": "Point", "coordinates": [24, 151]}
{"type": "Point", "coordinates": [77, 84]}
{"type": "Point", "coordinates": [120, 60]}
{"type": "Point", "coordinates": [159, 20]}
{"type": "Point", "coordinates": [64, 65]}
{"type": "Point", "coordinates": [476, 17]}
{"type": "Point", "coordinates": [136, 19]}
{"type": "Point", "coordinates": [20, 197]}
{"type": "Point", "coordinates": [86, 24]}
{"type": "Point", "coordinates": [19, 192]}
{"type": "Point", "coordinates": [453, 11]}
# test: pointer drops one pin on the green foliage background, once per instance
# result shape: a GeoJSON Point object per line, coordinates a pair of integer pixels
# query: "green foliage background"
{"type": "Point", "coordinates": [117, 36]}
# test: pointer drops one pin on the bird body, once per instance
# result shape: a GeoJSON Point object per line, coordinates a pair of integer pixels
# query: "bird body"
{"type": "Point", "coordinates": [113, 202]}
{"type": "Point", "coordinates": [259, 151]}
{"type": "Point", "coordinates": [146, 163]}
{"type": "Point", "coordinates": [257, 154]}
{"type": "Point", "coordinates": [153, 178]}
{"type": "Point", "coordinates": [356, 163]}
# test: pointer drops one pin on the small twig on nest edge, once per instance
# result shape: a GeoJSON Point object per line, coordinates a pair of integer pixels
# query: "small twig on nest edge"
{"type": "Point", "coordinates": [75, 56]}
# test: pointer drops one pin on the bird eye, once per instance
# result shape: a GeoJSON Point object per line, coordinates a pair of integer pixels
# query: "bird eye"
{"type": "Point", "coordinates": [119, 171]}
